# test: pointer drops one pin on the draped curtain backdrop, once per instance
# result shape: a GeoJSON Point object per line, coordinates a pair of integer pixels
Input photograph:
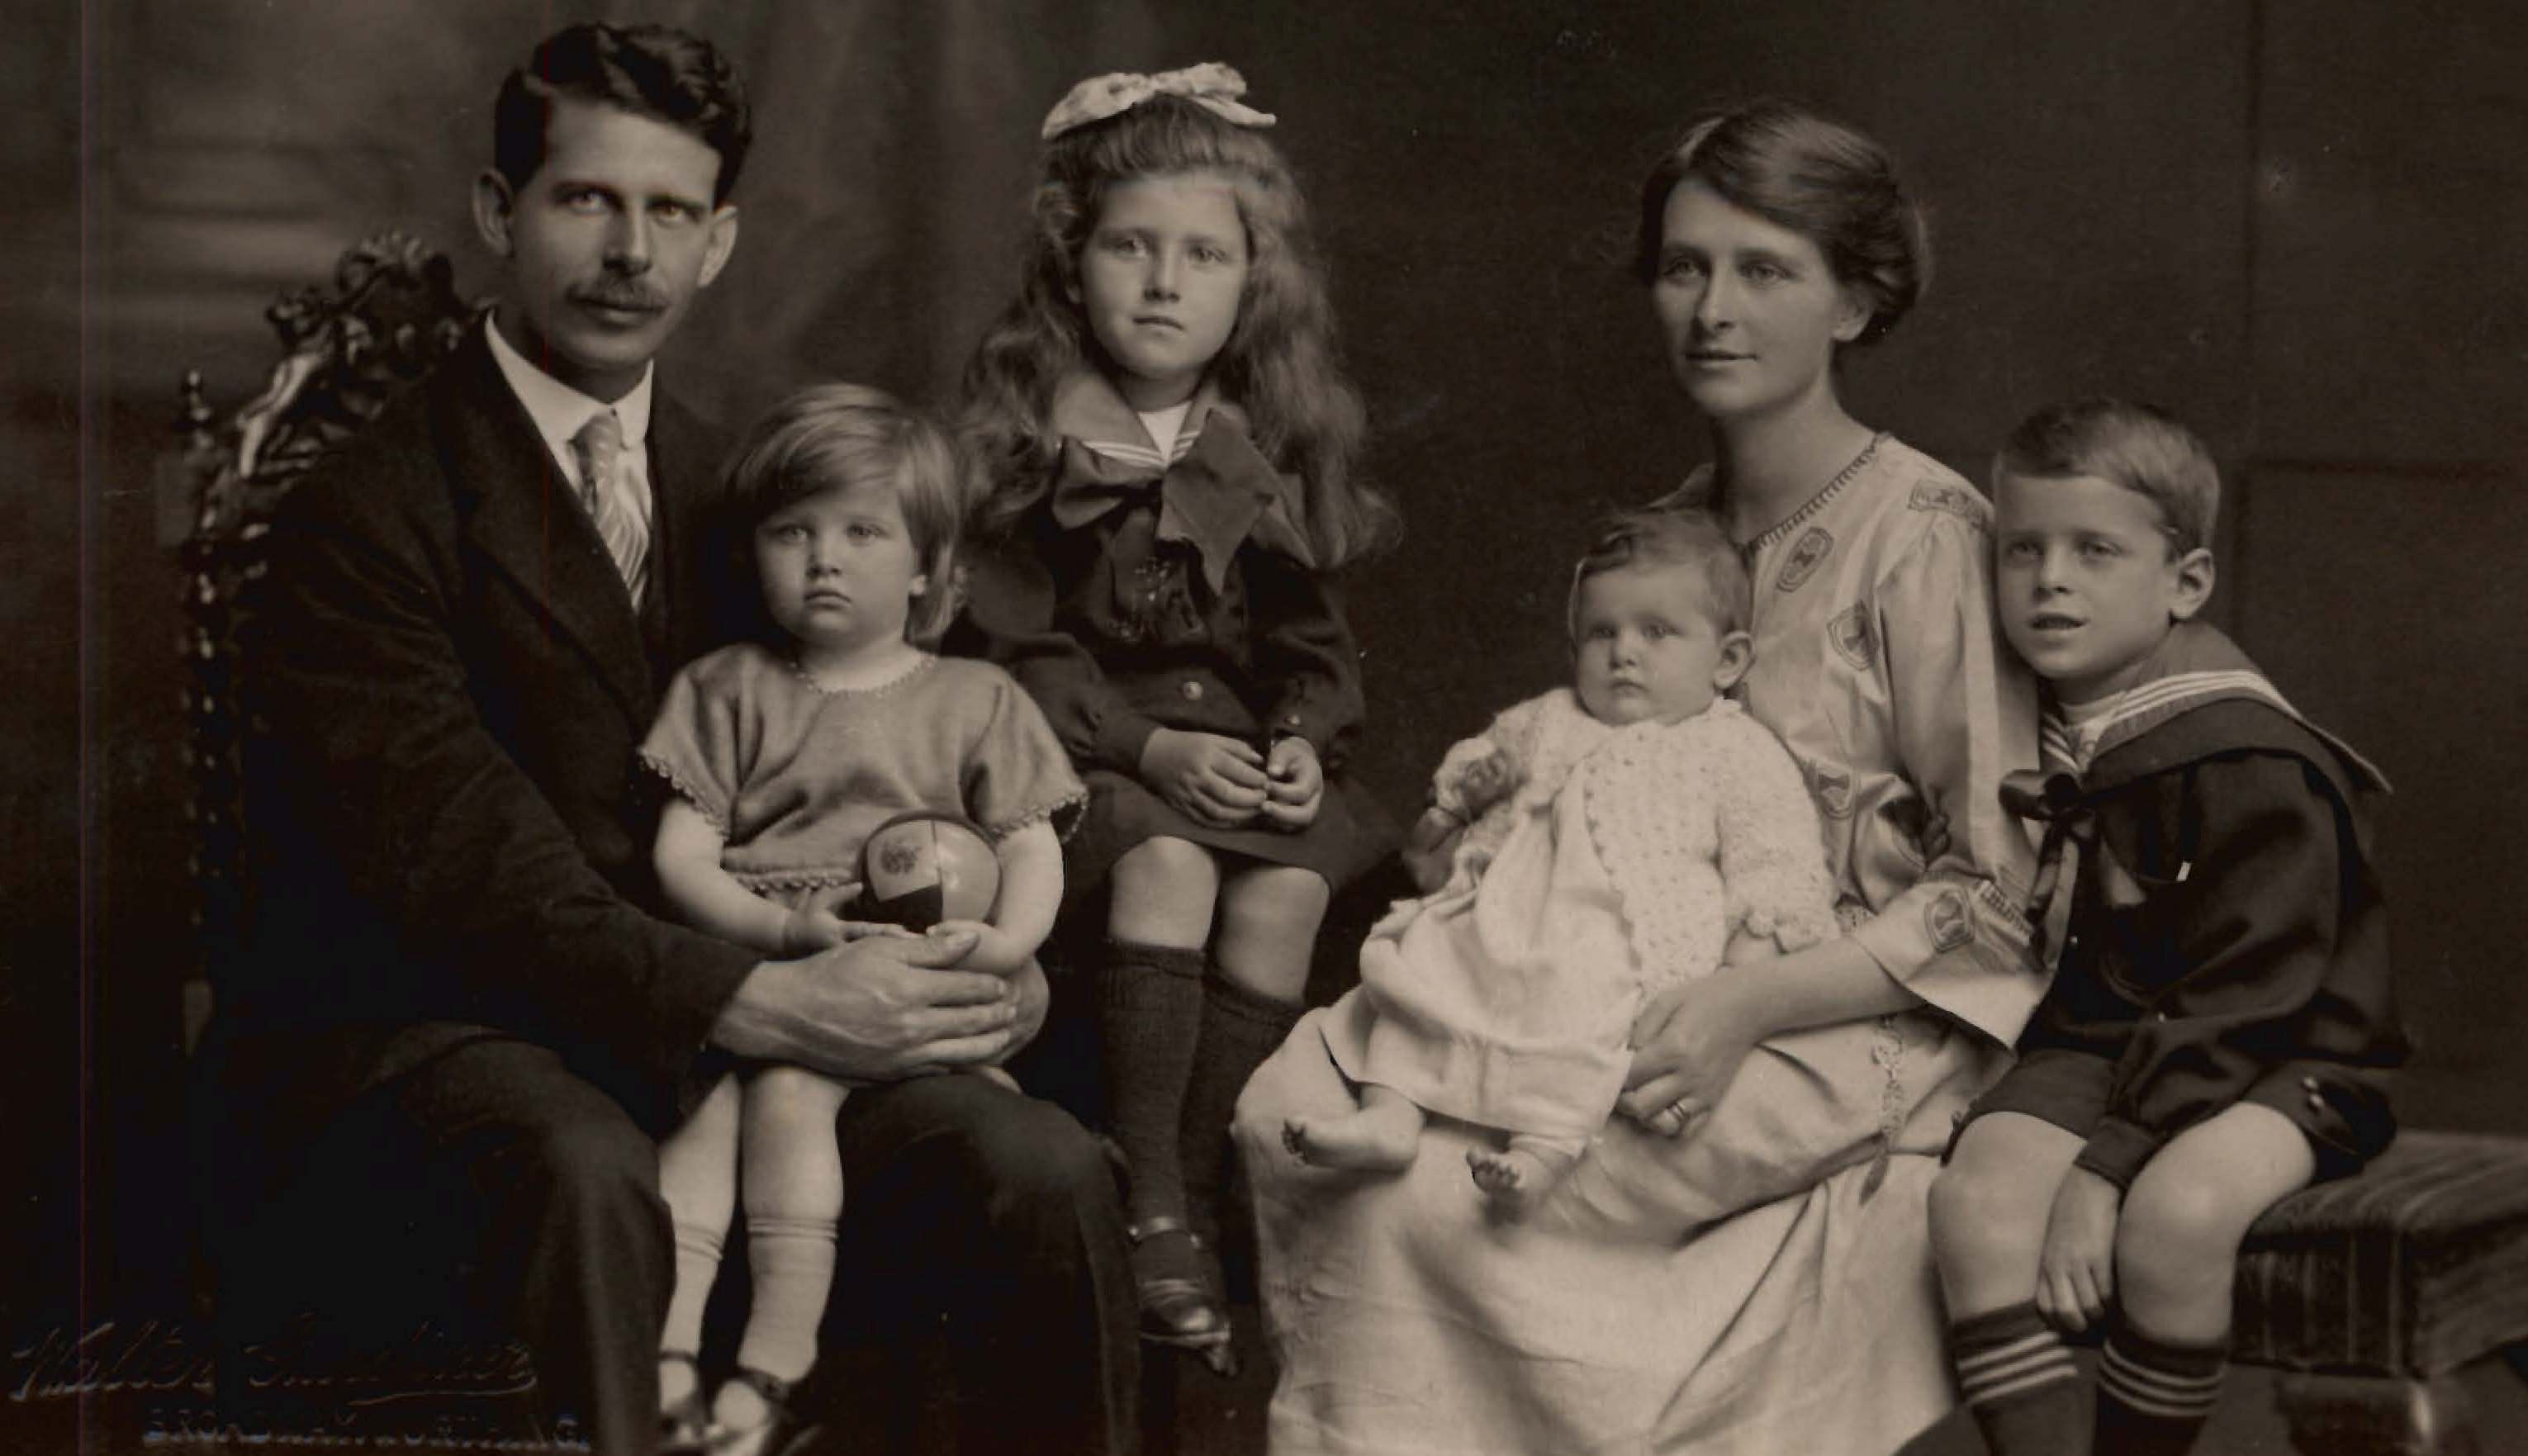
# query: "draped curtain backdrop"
{"type": "Point", "coordinates": [2296, 223]}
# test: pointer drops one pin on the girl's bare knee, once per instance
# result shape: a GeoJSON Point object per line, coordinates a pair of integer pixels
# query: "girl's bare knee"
{"type": "Point", "coordinates": [1268, 928]}
{"type": "Point", "coordinates": [1164, 891]}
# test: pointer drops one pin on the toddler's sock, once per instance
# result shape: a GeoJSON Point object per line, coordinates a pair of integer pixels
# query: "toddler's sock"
{"type": "Point", "coordinates": [2018, 1381]}
{"type": "Point", "coordinates": [2153, 1398]}
{"type": "Point", "coordinates": [698, 1253]}
{"type": "Point", "coordinates": [1150, 1013]}
{"type": "Point", "coordinates": [1239, 1029]}
{"type": "Point", "coordinates": [793, 1263]}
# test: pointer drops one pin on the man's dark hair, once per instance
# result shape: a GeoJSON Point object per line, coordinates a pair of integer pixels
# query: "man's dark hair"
{"type": "Point", "coordinates": [652, 70]}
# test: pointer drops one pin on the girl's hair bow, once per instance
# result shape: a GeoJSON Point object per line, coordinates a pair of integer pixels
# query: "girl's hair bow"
{"type": "Point", "coordinates": [1211, 85]}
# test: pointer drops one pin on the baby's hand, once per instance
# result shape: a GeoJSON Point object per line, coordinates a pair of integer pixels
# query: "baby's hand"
{"type": "Point", "coordinates": [2076, 1275]}
{"type": "Point", "coordinates": [1488, 781]}
{"type": "Point", "coordinates": [1431, 846]}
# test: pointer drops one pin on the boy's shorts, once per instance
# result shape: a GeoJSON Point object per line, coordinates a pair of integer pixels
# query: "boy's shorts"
{"type": "Point", "coordinates": [2067, 1090]}
{"type": "Point", "coordinates": [2070, 1089]}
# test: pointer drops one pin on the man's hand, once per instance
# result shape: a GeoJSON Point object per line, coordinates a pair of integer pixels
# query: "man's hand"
{"type": "Point", "coordinates": [882, 1009]}
{"type": "Point", "coordinates": [1208, 778]}
{"type": "Point", "coordinates": [2076, 1275]}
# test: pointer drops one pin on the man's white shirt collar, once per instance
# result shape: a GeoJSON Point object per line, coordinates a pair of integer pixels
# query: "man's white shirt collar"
{"type": "Point", "coordinates": [560, 411]}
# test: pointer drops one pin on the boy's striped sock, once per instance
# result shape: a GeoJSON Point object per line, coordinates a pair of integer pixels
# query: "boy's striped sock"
{"type": "Point", "coordinates": [2018, 1381]}
{"type": "Point", "coordinates": [2153, 1398]}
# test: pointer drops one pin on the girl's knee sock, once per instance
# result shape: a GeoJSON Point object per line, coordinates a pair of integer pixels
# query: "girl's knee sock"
{"type": "Point", "coordinates": [698, 1251]}
{"type": "Point", "coordinates": [793, 1263]}
{"type": "Point", "coordinates": [2153, 1398]}
{"type": "Point", "coordinates": [2018, 1381]}
{"type": "Point", "coordinates": [1150, 1013]}
{"type": "Point", "coordinates": [1239, 1029]}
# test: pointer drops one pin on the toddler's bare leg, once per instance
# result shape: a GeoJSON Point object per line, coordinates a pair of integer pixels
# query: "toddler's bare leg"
{"type": "Point", "coordinates": [791, 1178]}
{"type": "Point", "coordinates": [1518, 1178]}
{"type": "Point", "coordinates": [698, 1179]}
{"type": "Point", "coordinates": [1379, 1138]}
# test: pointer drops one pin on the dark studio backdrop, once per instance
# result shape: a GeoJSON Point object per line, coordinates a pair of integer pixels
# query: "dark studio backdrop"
{"type": "Point", "coordinates": [2297, 223]}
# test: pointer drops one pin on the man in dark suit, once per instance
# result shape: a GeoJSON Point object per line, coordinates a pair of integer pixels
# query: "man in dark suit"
{"type": "Point", "coordinates": [432, 1093]}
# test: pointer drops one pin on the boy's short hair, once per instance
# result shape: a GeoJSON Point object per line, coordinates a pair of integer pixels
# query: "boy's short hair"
{"type": "Point", "coordinates": [830, 437]}
{"type": "Point", "coordinates": [2144, 450]}
{"type": "Point", "coordinates": [656, 72]}
{"type": "Point", "coordinates": [1671, 536]}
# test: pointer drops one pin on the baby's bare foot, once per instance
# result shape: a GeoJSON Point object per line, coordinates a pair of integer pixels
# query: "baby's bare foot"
{"type": "Point", "coordinates": [1362, 1141]}
{"type": "Point", "coordinates": [1514, 1181]}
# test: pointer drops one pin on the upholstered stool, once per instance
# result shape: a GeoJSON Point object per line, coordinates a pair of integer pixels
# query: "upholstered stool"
{"type": "Point", "coordinates": [2371, 1293]}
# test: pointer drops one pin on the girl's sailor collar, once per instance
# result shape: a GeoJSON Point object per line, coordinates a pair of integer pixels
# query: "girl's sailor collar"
{"type": "Point", "coordinates": [1215, 489]}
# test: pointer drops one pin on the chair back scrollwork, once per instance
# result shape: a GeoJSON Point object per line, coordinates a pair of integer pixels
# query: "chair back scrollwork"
{"type": "Point", "coordinates": [391, 315]}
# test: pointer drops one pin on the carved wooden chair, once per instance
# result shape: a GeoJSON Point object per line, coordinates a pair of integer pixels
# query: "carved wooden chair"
{"type": "Point", "coordinates": [391, 314]}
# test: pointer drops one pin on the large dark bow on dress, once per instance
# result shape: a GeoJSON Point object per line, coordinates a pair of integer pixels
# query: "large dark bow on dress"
{"type": "Point", "coordinates": [1222, 494]}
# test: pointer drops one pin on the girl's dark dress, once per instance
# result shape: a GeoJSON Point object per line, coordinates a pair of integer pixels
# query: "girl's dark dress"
{"type": "Point", "coordinates": [1143, 594]}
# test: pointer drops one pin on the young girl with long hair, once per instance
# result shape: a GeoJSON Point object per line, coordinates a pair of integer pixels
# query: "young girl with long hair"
{"type": "Point", "coordinates": [1168, 444]}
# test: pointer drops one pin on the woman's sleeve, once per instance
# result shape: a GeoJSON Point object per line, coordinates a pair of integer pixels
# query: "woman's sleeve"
{"type": "Point", "coordinates": [1304, 648]}
{"type": "Point", "coordinates": [1007, 620]}
{"type": "Point", "coordinates": [696, 742]}
{"type": "Point", "coordinates": [1773, 855]}
{"type": "Point", "coordinates": [1965, 715]}
{"type": "Point", "coordinates": [2256, 922]}
{"type": "Point", "coordinates": [1018, 772]}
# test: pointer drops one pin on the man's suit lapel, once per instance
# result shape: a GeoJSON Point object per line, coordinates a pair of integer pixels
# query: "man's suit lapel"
{"type": "Point", "coordinates": [525, 521]}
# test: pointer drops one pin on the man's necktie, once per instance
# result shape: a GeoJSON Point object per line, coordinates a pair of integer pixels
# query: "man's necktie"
{"type": "Point", "coordinates": [606, 493]}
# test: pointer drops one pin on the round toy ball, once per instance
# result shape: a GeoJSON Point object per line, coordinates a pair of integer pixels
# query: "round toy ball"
{"type": "Point", "coordinates": [922, 867]}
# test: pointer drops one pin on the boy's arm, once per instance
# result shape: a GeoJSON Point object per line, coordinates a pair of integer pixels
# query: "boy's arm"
{"type": "Point", "coordinates": [2255, 919]}
{"type": "Point", "coordinates": [709, 898]}
{"type": "Point", "coordinates": [1030, 894]}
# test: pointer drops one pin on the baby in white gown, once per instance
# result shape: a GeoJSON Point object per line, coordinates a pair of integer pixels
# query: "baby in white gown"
{"type": "Point", "coordinates": [1592, 846]}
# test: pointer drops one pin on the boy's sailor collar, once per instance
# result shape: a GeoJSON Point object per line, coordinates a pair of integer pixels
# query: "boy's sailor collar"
{"type": "Point", "coordinates": [1215, 488]}
{"type": "Point", "coordinates": [2193, 667]}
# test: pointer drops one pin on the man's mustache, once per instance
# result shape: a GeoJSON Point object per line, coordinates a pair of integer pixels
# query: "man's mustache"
{"type": "Point", "coordinates": [621, 295]}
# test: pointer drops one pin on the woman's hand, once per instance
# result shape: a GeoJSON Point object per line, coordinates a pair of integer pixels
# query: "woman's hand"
{"type": "Point", "coordinates": [1294, 784]}
{"type": "Point", "coordinates": [1210, 779]}
{"type": "Point", "coordinates": [2076, 1275]}
{"type": "Point", "coordinates": [1687, 1044]}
